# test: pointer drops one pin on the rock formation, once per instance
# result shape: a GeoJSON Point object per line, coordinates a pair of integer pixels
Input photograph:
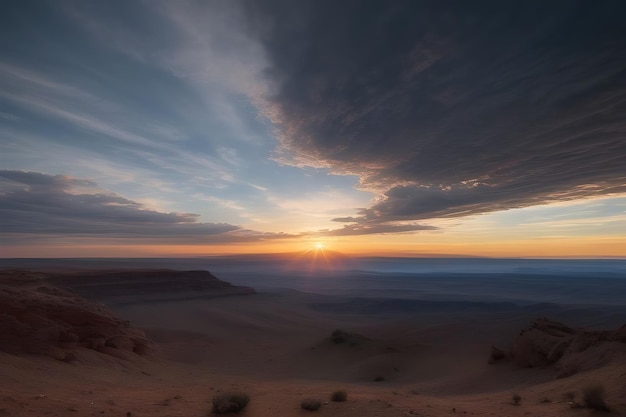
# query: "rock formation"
{"type": "Point", "coordinates": [39, 318]}
{"type": "Point", "coordinates": [145, 285]}
{"type": "Point", "coordinates": [550, 343]}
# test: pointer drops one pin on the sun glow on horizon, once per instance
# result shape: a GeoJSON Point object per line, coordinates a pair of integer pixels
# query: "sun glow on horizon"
{"type": "Point", "coordinates": [317, 257]}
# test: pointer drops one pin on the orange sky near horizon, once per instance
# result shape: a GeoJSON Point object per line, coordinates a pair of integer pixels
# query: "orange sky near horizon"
{"type": "Point", "coordinates": [385, 245]}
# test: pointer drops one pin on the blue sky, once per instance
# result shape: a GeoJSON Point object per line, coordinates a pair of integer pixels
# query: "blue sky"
{"type": "Point", "coordinates": [143, 120]}
{"type": "Point", "coordinates": [259, 122]}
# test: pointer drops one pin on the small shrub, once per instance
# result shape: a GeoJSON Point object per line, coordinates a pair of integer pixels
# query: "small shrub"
{"type": "Point", "coordinates": [593, 397]}
{"type": "Point", "coordinates": [338, 337]}
{"type": "Point", "coordinates": [230, 402]}
{"type": "Point", "coordinates": [379, 379]}
{"type": "Point", "coordinates": [355, 340]}
{"type": "Point", "coordinates": [516, 399]}
{"type": "Point", "coordinates": [339, 396]}
{"type": "Point", "coordinates": [310, 404]}
{"type": "Point", "coordinates": [496, 355]}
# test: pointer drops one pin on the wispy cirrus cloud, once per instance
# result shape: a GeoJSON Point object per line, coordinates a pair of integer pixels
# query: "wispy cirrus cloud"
{"type": "Point", "coordinates": [154, 102]}
{"type": "Point", "coordinates": [152, 141]}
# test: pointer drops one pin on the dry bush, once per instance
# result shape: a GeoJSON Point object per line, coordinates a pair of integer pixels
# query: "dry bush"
{"type": "Point", "coordinates": [339, 336]}
{"type": "Point", "coordinates": [593, 397]}
{"type": "Point", "coordinates": [230, 402]}
{"type": "Point", "coordinates": [355, 340]}
{"type": "Point", "coordinates": [516, 399]}
{"type": "Point", "coordinates": [339, 396]}
{"type": "Point", "coordinates": [310, 404]}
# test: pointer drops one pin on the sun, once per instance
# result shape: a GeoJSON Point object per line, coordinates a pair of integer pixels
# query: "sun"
{"type": "Point", "coordinates": [319, 246]}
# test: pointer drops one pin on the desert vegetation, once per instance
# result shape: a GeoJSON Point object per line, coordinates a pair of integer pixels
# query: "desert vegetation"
{"type": "Point", "coordinates": [339, 396]}
{"type": "Point", "coordinates": [310, 404]}
{"type": "Point", "coordinates": [230, 402]}
{"type": "Point", "coordinates": [355, 340]}
{"type": "Point", "coordinates": [593, 397]}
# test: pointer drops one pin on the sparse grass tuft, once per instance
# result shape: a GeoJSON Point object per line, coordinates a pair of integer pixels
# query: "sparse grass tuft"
{"type": "Point", "coordinates": [230, 402]}
{"type": "Point", "coordinates": [310, 404]}
{"type": "Point", "coordinates": [339, 396]}
{"type": "Point", "coordinates": [354, 340]}
{"type": "Point", "coordinates": [516, 399]}
{"type": "Point", "coordinates": [338, 336]}
{"type": "Point", "coordinates": [593, 397]}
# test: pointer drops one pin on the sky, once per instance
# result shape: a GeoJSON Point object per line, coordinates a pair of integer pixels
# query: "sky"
{"type": "Point", "coordinates": [404, 127]}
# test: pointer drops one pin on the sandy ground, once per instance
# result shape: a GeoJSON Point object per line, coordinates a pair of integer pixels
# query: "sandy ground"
{"type": "Point", "coordinates": [276, 349]}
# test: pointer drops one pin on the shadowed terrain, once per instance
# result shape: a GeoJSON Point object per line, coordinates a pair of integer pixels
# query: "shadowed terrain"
{"type": "Point", "coordinates": [394, 357]}
{"type": "Point", "coordinates": [37, 317]}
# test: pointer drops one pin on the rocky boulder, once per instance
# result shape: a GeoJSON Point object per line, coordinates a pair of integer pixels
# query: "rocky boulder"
{"type": "Point", "coordinates": [39, 318]}
{"type": "Point", "coordinates": [549, 343]}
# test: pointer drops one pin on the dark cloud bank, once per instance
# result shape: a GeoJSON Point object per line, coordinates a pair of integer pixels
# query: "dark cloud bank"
{"type": "Point", "coordinates": [35, 206]}
{"type": "Point", "coordinates": [450, 108]}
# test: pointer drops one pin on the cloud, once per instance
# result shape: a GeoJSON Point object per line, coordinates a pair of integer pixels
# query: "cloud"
{"type": "Point", "coordinates": [349, 219]}
{"type": "Point", "coordinates": [97, 117]}
{"type": "Point", "coordinates": [35, 206]}
{"type": "Point", "coordinates": [370, 229]}
{"type": "Point", "coordinates": [446, 110]}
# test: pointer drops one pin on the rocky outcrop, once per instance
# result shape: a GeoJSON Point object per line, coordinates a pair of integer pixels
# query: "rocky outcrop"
{"type": "Point", "coordinates": [39, 318]}
{"type": "Point", "coordinates": [135, 286]}
{"type": "Point", "coordinates": [550, 343]}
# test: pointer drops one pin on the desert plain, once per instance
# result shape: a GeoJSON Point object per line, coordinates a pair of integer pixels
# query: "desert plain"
{"type": "Point", "coordinates": [120, 341]}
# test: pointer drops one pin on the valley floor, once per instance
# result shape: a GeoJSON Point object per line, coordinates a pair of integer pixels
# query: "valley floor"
{"type": "Point", "coordinates": [276, 348]}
